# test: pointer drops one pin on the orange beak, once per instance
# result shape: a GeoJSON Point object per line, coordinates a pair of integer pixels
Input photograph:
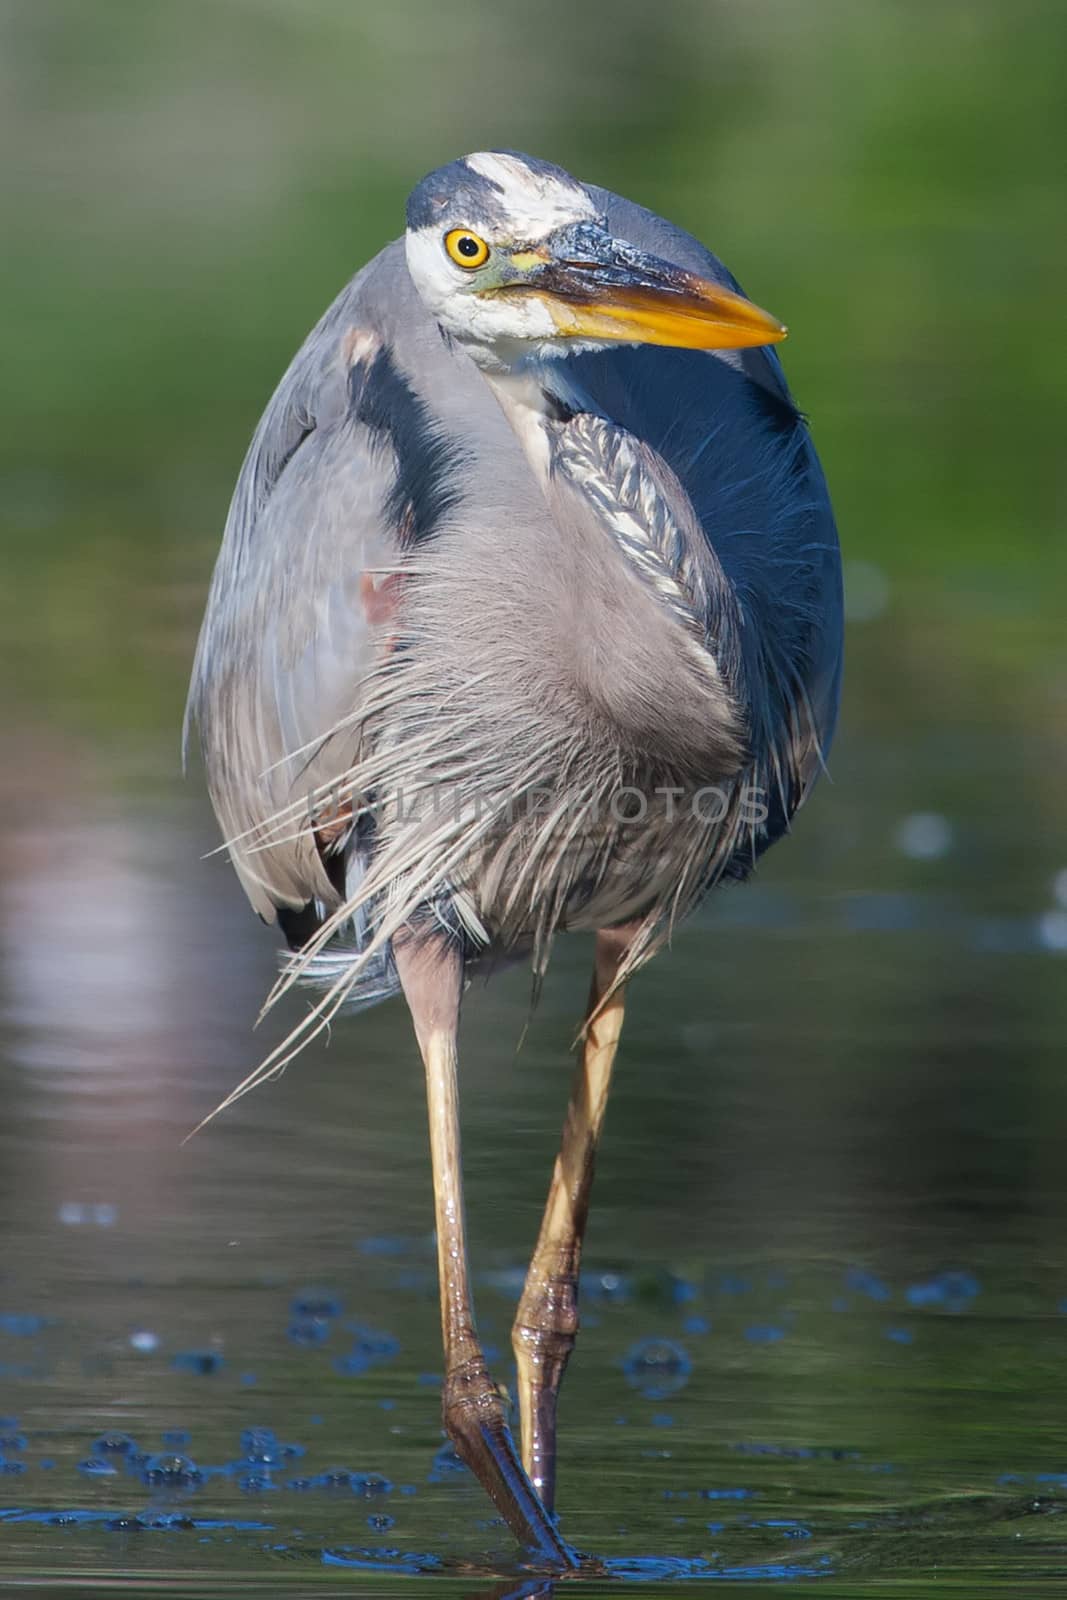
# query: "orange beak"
{"type": "Point", "coordinates": [601, 288]}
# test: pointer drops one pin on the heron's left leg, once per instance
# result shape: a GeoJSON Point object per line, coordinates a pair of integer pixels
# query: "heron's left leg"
{"type": "Point", "coordinates": [546, 1323]}
{"type": "Point", "coordinates": [431, 972]}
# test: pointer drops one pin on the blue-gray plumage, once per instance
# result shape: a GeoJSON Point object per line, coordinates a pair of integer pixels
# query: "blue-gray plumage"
{"type": "Point", "coordinates": [530, 523]}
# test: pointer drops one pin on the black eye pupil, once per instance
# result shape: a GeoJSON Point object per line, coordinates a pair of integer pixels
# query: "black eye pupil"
{"type": "Point", "coordinates": [467, 246]}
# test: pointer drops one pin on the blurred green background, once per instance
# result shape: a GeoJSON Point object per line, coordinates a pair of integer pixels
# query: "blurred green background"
{"type": "Point", "coordinates": [185, 186]}
{"type": "Point", "coordinates": [859, 1059]}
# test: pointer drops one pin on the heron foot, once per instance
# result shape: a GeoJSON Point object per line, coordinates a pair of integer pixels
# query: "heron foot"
{"type": "Point", "coordinates": [475, 1422]}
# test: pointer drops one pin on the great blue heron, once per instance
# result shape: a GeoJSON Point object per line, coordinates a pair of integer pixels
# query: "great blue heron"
{"type": "Point", "coordinates": [527, 618]}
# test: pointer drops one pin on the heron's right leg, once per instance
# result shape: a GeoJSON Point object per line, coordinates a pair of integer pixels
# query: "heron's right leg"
{"type": "Point", "coordinates": [546, 1322]}
{"type": "Point", "coordinates": [431, 972]}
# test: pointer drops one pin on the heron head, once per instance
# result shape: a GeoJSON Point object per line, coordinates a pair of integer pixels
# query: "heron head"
{"type": "Point", "coordinates": [513, 257]}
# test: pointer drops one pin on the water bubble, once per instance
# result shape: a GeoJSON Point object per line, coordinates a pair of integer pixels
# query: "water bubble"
{"type": "Point", "coordinates": [114, 1444]}
{"type": "Point", "coordinates": [369, 1349]}
{"type": "Point", "coordinates": [864, 1282]}
{"type": "Point", "coordinates": [764, 1333]}
{"type": "Point", "coordinates": [317, 1304]}
{"type": "Point", "coordinates": [605, 1288]}
{"type": "Point", "coordinates": [261, 1447]}
{"type": "Point", "coordinates": [696, 1325]}
{"type": "Point", "coordinates": [1052, 931]}
{"type": "Point", "coordinates": [12, 1441]}
{"type": "Point", "coordinates": [309, 1331]}
{"type": "Point", "coordinates": [258, 1482]}
{"type": "Point", "coordinates": [445, 1464]}
{"type": "Point", "coordinates": [953, 1290]}
{"type": "Point", "coordinates": [97, 1467]}
{"type": "Point", "coordinates": [924, 836]}
{"type": "Point", "coordinates": [380, 1523]}
{"type": "Point", "coordinates": [367, 1485]}
{"type": "Point", "coordinates": [22, 1324]}
{"type": "Point", "coordinates": [172, 1472]}
{"type": "Point", "coordinates": [680, 1290]}
{"type": "Point", "coordinates": [12, 1468]}
{"type": "Point", "coordinates": [732, 1283]}
{"type": "Point", "coordinates": [203, 1363]}
{"type": "Point", "coordinates": [900, 1335]}
{"type": "Point", "coordinates": [144, 1339]}
{"type": "Point", "coordinates": [77, 1214]}
{"type": "Point", "coordinates": [657, 1368]}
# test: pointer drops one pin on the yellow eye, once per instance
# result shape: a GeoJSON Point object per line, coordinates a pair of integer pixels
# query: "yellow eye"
{"type": "Point", "coordinates": [466, 248]}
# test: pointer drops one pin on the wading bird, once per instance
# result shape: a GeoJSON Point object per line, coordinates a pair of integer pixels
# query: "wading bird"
{"type": "Point", "coordinates": [527, 618]}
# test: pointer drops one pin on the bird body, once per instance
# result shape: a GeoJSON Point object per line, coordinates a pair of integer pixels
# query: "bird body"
{"type": "Point", "coordinates": [591, 620]}
{"type": "Point", "coordinates": [527, 618]}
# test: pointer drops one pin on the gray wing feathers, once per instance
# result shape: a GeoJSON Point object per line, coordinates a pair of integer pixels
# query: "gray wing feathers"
{"type": "Point", "coordinates": [285, 644]}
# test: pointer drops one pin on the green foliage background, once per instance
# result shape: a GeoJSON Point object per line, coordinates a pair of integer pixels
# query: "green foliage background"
{"type": "Point", "coordinates": [186, 185]}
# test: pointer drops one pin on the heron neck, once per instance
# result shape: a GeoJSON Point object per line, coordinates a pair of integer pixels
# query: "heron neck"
{"type": "Point", "coordinates": [532, 396]}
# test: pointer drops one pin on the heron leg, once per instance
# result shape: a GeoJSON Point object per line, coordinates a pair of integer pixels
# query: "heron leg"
{"type": "Point", "coordinates": [431, 972]}
{"type": "Point", "coordinates": [546, 1323]}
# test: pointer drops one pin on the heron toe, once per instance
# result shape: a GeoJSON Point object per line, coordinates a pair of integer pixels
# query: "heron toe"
{"type": "Point", "coordinates": [475, 1423]}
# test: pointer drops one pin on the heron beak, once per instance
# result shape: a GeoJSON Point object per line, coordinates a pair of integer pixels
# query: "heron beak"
{"type": "Point", "coordinates": [601, 288]}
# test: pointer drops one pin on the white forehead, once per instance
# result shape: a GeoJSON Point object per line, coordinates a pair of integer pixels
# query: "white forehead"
{"type": "Point", "coordinates": [536, 200]}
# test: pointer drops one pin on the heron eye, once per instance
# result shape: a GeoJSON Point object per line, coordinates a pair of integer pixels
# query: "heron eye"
{"type": "Point", "coordinates": [466, 249]}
